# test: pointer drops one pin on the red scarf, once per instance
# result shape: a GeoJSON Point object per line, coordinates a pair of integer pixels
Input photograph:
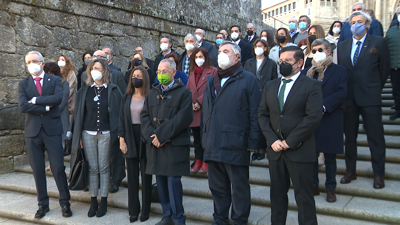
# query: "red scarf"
{"type": "Point", "coordinates": [198, 71]}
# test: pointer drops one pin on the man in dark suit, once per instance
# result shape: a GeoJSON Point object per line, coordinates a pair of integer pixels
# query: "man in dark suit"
{"type": "Point", "coordinates": [200, 34]}
{"type": "Point", "coordinates": [289, 112]}
{"type": "Point", "coordinates": [109, 58]}
{"type": "Point", "coordinates": [166, 45]}
{"type": "Point", "coordinates": [149, 62]}
{"type": "Point", "coordinates": [246, 49]}
{"type": "Point", "coordinates": [251, 36]}
{"type": "Point", "coordinates": [39, 97]}
{"type": "Point", "coordinates": [367, 60]}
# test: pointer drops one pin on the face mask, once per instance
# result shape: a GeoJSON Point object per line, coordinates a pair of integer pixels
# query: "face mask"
{"type": "Point", "coordinates": [87, 61]}
{"type": "Point", "coordinates": [198, 38]}
{"type": "Point", "coordinates": [96, 75]}
{"type": "Point", "coordinates": [281, 39]}
{"type": "Point", "coordinates": [336, 30]}
{"type": "Point", "coordinates": [234, 35]}
{"type": "Point", "coordinates": [312, 38]}
{"type": "Point", "coordinates": [286, 69]}
{"type": "Point", "coordinates": [250, 32]}
{"type": "Point", "coordinates": [357, 29]}
{"type": "Point", "coordinates": [292, 26]}
{"type": "Point", "coordinates": [108, 57]}
{"type": "Point", "coordinates": [223, 60]}
{"type": "Point", "coordinates": [199, 62]}
{"type": "Point", "coordinates": [302, 25]}
{"type": "Point", "coordinates": [137, 62]}
{"type": "Point", "coordinates": [34, 68]}
{"type": "Point", "coordinates": [259, 51]}
{"type": "Point", "coordinates": [319, 56]}
{"type": "Point", "coordinates": [264, 38]}
{"type": "Point", "coordinates": [189, 47]}
{"type": "Point", "coordinates": [61, 63]}
{"type": "Point", "coordinates": [137, 83]}
{"type": "Point", "coordinates": [164, 79]}
{"type": "Point", "coordinates": [164, 47]}
{"type": "Point", "coordinates": [219, 41]}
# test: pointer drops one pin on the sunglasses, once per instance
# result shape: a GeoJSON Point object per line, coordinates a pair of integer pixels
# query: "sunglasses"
{"type": "Point", "coordinates": [315, 50]}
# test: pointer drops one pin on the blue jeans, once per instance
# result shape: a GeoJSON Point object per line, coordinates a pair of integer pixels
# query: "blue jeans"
{"type": "Point", "coordinates": [171, 194]}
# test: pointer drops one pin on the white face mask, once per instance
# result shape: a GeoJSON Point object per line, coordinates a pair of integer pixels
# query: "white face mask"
{"type": "Point", "coordinates": [264, 38]}
{"type": "Point", "coordinates": [164, 47]}
{"type": "Point", "coordinates": [34, 68]}
{"type": "Point", "coordinates": [234, 35]}
{"type": "Point", "coordinates": [96, 75]}
{"type": "Point", "coordinates": [198, 38]}
{"type": "Point", "coordinates": [336, 30]}
{"type": "Point", "coordinates": [61, 63]}
{"type": "Point", "coordinates": [259, 51]}
{"type": "Point", "coordinates": [319, 56]}
{"type": "Point", "coordinates": [223, 60]}
{"type": "Point", "coordinates": [199, 62]}
{"type": "Point", "coordinates": [189, 46]}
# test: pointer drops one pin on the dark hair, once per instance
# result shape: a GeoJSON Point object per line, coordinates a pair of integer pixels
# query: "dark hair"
{"type": "Point", "coordinates": [266, 53]}
{"type": "Point", "coordinates": [130, 90]}
{"type": "Point", "coordinates": [83, 57]}
{"type": "Point", "coordinates": [207, 59]}
{"type": "Point", "coordinates": [223, 35]}
{"type": "Point", "coordinates": [52, 68]}
{"type": "Point", "coordinates": [230, 29]}
{"type": "Point", "coordinates": [302, 42]}
{"type": "Point", "coordinates": [144, 63]}
{"type": "Point", "coordinates": [330, 29]}
{"type": "Point", "coordinates": [319, 33]}
{"type": "Point", "coordinates": [270, 38]}
{"type": "Point", "coordinates": [298, 53]}
{"type": "Point", "coordinates": [176, 60]}
{"type": "Point", "coordinates": [288, 38]}
{"type": "Point", "coordinates": [308, 19]}
{"type": "Point", "coordinates": [169, 39]}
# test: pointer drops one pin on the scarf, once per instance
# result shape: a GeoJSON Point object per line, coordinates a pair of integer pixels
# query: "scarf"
{"type": "Point", "coordinates": [224, 74]}
{"type": "Point", "coordinates": [198, 71]}
{"type": "Point", "coordinates": [319, 67]}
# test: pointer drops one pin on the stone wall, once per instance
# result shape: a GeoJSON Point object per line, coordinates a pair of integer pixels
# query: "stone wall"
{"type": "Point", "coordinates": [71, 27]}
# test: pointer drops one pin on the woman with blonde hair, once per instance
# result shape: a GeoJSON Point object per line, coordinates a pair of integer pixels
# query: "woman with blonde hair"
{"type": "Point", "coordinates": [68, 74]}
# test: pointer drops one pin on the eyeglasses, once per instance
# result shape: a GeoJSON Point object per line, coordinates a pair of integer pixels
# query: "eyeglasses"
{"type": "Point", "coordinates": [164, 72]}
{"type": "Point", "coordinates": [33, 61]}
{"type": "Point", "coordinates": [319, 50]}
{"type": "Point", "coordinates": [99, 57]}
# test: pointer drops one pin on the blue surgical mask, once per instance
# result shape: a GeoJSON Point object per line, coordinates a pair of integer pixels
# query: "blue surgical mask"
{"type": "Point", "coordinates": [357, 29]}
{"type": "Point", "coordinates": [302, 25]}
{"type": "Point", "coordinates": [219, 41]}
{"type": "Point", "coordinates": [292, 26]}
{"type": "Point", "coordinates": [108, 57]}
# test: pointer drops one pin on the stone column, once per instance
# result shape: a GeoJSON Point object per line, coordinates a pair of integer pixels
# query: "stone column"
{"type": "Point", "coordinates": [378, 10]}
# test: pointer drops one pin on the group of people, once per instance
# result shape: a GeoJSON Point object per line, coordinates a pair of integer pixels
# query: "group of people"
{"type": "Point", "coordinates": [289, 96]}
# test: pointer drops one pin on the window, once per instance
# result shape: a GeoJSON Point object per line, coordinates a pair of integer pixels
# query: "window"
{"type": "Point", "coordinates": [290, 7]}
{"type": "Point", "coordinates": [273, 13]}
{"type": "Point", "coordinates": [285, 9]}
{"type": "Point", "coordinates": [309, 11]}
{"type": "Point", "coordinates": [294, 5]}
{"type": "Point", "coordinates": [269, 14]}
{"type": "Point", "coordinates": [280, 10]}
{"type": "Point", "coordinates": [276, 12]}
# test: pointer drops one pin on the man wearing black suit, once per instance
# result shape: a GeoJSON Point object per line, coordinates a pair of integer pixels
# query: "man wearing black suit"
{"type": "Point", "coordinates": [290, 111]}
{"type": "Point", "coordinates": [246, 49]}
{"type": "Point", "coordinates": [200, 34]}
{"type": "Point", "coordinates": [109, 58]}
{"type": "Point", "coordinates": [39, 97]}
{"type": "Point", "coordinates": [149, 62]}
{"type": "Point", "coordinates": [367, 60]}
{"type": "Point", "coordinates": [166, 45]}
{"type": "Point", "coordinates": [251, 36]}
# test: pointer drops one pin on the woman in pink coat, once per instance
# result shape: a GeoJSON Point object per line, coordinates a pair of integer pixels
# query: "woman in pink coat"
{"type": "Point", "coordinates": [200, 68]}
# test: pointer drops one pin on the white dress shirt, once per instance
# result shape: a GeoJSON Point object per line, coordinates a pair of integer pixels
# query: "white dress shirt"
{"type": "Point", "coordinates": [288, 85]}
{"type": "Point", "coordinates": [41, 84]}
{"type": "Point", "coordinates": [259, 62]}
{"type": "Point", "coordinates": [354, 46]}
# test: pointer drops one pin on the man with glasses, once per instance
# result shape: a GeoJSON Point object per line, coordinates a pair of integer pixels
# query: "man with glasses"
{"type": "Point", "coordinates": [109, 58]}
{"type": "Point", "coordinates": [40, 95]}
{"type": "Point", "coordinates": [288, 121]}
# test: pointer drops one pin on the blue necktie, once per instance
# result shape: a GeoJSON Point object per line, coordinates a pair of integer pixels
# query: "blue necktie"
{"type": "Point", "coordinates": [356, 53]}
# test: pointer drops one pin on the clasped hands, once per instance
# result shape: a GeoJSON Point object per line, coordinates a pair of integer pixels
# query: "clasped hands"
{"type": "Point", "coordinates": [196, 106]}
{"type": "Point", "coordinates": [279, 145]}
{"type": "Point", "coordinates": [156, 142]}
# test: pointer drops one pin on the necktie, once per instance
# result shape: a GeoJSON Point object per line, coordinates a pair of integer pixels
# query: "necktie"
{"type": "Point", "coordinates": [356, 53]}
{"type": "Point", "coordinates": [281, 96]}
{"type": "Point", "coordinates": [249, 39]}
{"type": "Point", "coordinates": [38, 85]}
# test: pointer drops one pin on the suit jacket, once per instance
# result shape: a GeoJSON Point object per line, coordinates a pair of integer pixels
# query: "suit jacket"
{"type": "Point", "coordinates": [208, 46]}
{"type": "Point", "coordinates": [266, 72]}
{"type": "Point", "coordinates": [160, 57]}
{"type": "Point", "coordinates": [246, 39]}
{"type": "Point", "coordinates": [36, 114]}
{"type": "Point", "coordinates": [117, 78]}
{"type": "Point", "coordinates": [375, 28]}
{"type": "Point", "coordinates": [114, 67]}
{"type": "Point", "coordinates": [368, 76]}
{"type": "Point", "coordinates": [297, 122]}
{"type": "Point", "coordinates": [246, 51]}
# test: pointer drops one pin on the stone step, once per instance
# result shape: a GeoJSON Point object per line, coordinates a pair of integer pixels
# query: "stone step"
{"type": "Point", "coordinates": [388, 85]}
{"type": "Point", "coordinates": [386, 90]}
{"type": "Point", "coordinates": [364, 154]}
{"type": "Point", "coordinates": [199, 209]}
{"type": "Point", "coordinates": [391, 141]}
{"type": "Point", "coordinates": [16, 221]}
{"type": "Point", "coordinates": [387, 96]}
{"type": "Point", "coordinates": [386, 120]}
{"type": "Point", "coordinates": [387, 111]}
{"type": "Point", "coordinates": [389, 129]}
{"type": "Point", "coordinates": [387, 103]}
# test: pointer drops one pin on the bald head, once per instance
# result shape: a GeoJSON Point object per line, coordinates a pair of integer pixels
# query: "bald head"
{"type": "Point", "coordinates": [99, 54]}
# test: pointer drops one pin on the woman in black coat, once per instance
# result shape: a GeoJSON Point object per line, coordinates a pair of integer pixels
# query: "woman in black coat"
{"type": "Point", "coordinates": [86, 59]}
{"type": "Point", "coordinates": [132, 145]}
{"type": "Point", "coordinates": [265, 69]}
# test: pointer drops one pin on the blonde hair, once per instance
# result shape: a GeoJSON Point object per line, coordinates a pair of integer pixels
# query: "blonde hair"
{"type": "Point", "coordinates": [106, 72]}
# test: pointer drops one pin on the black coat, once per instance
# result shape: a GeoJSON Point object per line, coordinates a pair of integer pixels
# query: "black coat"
{"type": "Point", "coordinates": [117, 78]}
{"type": "Point", "coordinates": [229, 120]}
{"type": "Point", "coordinates": [114, 67]}
{"type": "Point", "coordinates": [152, 76]}
{"type": "Point", "coordinates": [168, 115]}
{"type": "Point", "coordinates": [329, 134]}
{"type": "Point", "coordinates": [182, 59]}
{"type": "Point", "coordinates": [214, 55]}
{"type": "Point", "coordinates": [246, 39]}
{"type": "Point", "coordinates": [266, 72]}
{"type": "Point", "coordinates": [125, 129]}
{"type": "Point", "coordinates": [246, 51]}
{"type": "Point", "coordinates": [160, 57]}
{"type": "Point", "coordinates": [208, 46]}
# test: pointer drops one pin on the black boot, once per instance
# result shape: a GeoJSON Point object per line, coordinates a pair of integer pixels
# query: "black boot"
{"type": "Point", "coordinates": [103, 207]}
{"type": "Point", "coordinates": [93, 207]}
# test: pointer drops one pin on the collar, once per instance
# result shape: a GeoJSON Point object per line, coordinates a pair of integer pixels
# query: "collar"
{"type": "Point", "coordinates": [237, 42]}
{"type": "Point", "coordinates": [293, 32]}
{"type": "Point", "coordinates": [95, 85]}
{"type": "Point", "coordinates": [167, 53]}
{"type": "Point", "coordinates": [168, 87]}
{"type": "Point", "coordinates": [362, 39]}
{"type": "Point", "coordinates": [41, 75]}
{"type": "Point", "coordinates": [293, 78]}
{"type": "Point", "coordinates": [110, 63]}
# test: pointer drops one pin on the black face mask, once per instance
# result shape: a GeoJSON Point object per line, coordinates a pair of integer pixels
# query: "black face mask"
{"type": "Point", "coordinates": [137, 62]}
{"type": "Point", "coordinates": [281, 39]}
{"type": "Point", "coordinates": [312, 38]}
{"type": "Point", "coordinates": [286, 69]}
{"type": "Point", "coordinates": [249, 32]}
{"type": "Point", "coordinates": [137, 83]}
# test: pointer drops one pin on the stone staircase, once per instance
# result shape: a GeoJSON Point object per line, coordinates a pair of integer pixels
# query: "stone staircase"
{"type": "Point", "coordinates": [357, 202]}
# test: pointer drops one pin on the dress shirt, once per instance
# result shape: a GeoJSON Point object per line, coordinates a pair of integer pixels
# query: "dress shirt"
{"type": "Point", "coordinates": [288, 85]}
{"type": "Point", "coordinates": [199, 45]}
{"type": "Point", "coordinates": [259, 62]}
{"type": "Point", "coordinates": [354, 46]}
{"type": "Point", "coordinates": [95, 132]}
{"type": "Point", "coordinates": [168, 87]}
{"type": "Point", "coordinates": [41, 84]}
{"type": "Point", "coordinates": [237, 42]}
{"type": "Point", "coordinates": [167, 53]}
{"type": "Point", "coordinates": [251, 37]}
{"type": "Point", "coordinates": [293, 32]}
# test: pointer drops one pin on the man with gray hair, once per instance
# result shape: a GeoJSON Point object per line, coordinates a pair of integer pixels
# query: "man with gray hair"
{"type": "Point", "coordinates": [293, 25]}
{"type": "Point", "coordinates": [304, 24]}
{"type": "Point", "coordinates": [166, 116]}
{"type": "Point", "coordinates": [190, 44]}
{"type": "Point", "coordinates": [109, 58]}
{"type": "Point", "coordinates": [251, 36]}
{"type": "Point", "coordinates": [230, 132]}
{"type": "Point", "coordinates": [166, 45]}
{"type": "Point", "coordinates": [375, 27]}
{"type": "Point", "coordinates": [200, 34]}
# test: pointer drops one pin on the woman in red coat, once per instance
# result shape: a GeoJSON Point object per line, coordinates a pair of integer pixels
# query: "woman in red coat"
{"type": "Point", "coordinates": [200, 68]}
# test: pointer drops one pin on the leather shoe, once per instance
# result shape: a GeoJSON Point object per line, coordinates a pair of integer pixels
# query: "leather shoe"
{"type": "Point", "coordinates": [166, 221]}
{"type": "Point", "coordinates": [331, 196]}
{"type": "Point", "coordinates": [144, 218]}
{"type": "Point", "coordinates": [114, 188]}
{"type": "Point", "coordinates": [260, 156]}
{"type": "Point", "coordinates": [254, 156]}
{"type": "Point", "coordinates": [379, 183]}
{"type": "Point", "coordinates": [133, 218]}
{"type": "Point", "coordinates": [316, 192]}
{"type": "Point", "coordinates": [66, 211]}
{"type": "Point", "coordinates": [395, 116]}
{"type": "Point", "coordinates": [348, 177]}
{"type": "Point", "coordinates": [41, 212]}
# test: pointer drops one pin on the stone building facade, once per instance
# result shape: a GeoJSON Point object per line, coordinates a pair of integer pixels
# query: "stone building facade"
{"type": "Point", "coordinates": [71, 27]}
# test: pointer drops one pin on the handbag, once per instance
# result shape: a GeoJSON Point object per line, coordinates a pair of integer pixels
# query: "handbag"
{"type": "Point", "coordinates": [79, 176]}
{"type": "Point", "coordinates": [68, 146]}
{"type": "Point", "coordinates": [154, 193]}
